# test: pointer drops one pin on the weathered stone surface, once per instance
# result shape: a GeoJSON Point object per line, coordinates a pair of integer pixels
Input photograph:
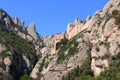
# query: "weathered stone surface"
{"type": "Point", "coordinates": [29, 38]}
{"type": "Point", "coordinates": [2, 14]}
{"type": "Point", "coordinates": [15, 20]}
{"type": "Point", "coordinates": [77, 21]}
{"type": "Point", "coordinates": [100, 28]}
{"type": "Point", "coordinates": [76, 60]}
{"type": "Point", "coordinates": [61, 67]}
{"type": "Point", "coordinates": [88, 18]}
{"type": "Point", "coordinates": [7, 61]}
{"type": "Point", "coordinates": [22, 35]}
{"type": "Point", "coordinates": [108, 30]}
{"type": "Point", "coordinates": [31, 30]}
{"type": "Point", "coordinates": [52, 76]}
{"type": "Point", "coordinates": [19, 23]}
{"type": "Point", "coordinates": [35, 70]}
{"type": "Point", "coordinates": [112, 5]}
{"type": "Point", "coordinates": [2, 47]}
{"type": "Point", "coordinates": [26, 61]}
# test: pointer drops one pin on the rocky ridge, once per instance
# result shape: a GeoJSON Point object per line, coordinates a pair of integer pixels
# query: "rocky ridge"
{"type": "Point", "coordinates": [19, 48]}
{"type": "Point", "coordinates": [15, 24]}
{"type": "Point", "coordinates": [101, 31]}
{"type": "Point", "coordinates": [98, 40]}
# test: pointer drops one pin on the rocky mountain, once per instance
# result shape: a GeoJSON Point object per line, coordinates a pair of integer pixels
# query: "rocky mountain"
{"type": "Point", "coordinates": [88, 50]}
{"type": "Point", "coordinates": [18, 52]}
{"type": "Point", "coordinates": [32, 31]}
{"type": "Point", "coordinates": [15, 24]}
{"type": "Point", "coordinates": [93, 51]}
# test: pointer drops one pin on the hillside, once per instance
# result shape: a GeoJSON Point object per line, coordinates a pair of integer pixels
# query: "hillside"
{"type": "Point", "coordinates": [88, 50]}
{"type": "Point", "coordinates": [18, 53]}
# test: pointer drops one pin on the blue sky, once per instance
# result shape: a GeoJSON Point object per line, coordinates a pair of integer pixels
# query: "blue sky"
{"type": "Point", "coordinates": [51, 16]}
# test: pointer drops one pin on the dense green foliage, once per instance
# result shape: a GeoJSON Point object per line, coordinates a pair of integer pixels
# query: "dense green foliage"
{"type": "Point", "coordinates": [97, 49]}
{"type": "Point", "coordinates": [25, 77]}
{"type": "Point", "coordinates": [116, 15]}
{"type": "Point", "coordinates": [71, 46]}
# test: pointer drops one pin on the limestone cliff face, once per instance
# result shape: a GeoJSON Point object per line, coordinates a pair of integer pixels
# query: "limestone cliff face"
{"type": "Point", "coordinates": [105, 35]}
{"type": "Point", "coordinates": [101, 31]}
{"type": "Point", "coordinates": [31, 30]}
{"type": "Point", "coordinates": [19, 23]}
{"type": "Point", "coordinates": [98, 36]}
{"type": "Point", "coordinates": [17, 26]}
{"type": "Point", "coordinates": [18, 53]}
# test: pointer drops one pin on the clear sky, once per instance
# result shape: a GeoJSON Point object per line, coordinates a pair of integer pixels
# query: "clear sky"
{"type": "Point", "coordinates": [51, 16]}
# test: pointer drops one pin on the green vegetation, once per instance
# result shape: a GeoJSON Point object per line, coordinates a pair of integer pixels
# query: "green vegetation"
{"type": "Point", "coordinates": [72, 49]}
{"type": "Point", "coordinates": [81, 73]}
{"type": "Point", "coordinates": [111, 6]}
{"type": "Point", "coordinates": [64, 41]}
{"type": "Point", "coordinates": [46, 64]}
{"type": "Point", "coordinates": [113, 73]}
{"type": "Point", "coordinates": [105, 43]}
{"type": "Point", "coordinates": [2, 65]}
{"type": "Point", "coordinates": [97, 49]}
{"type": "Point", "coordinates": [26, 77]}
{"type": "Point", "coordinates": [85, 73]}
{"type": "Point", "coordinates": [21, 47]}
{"type": "Point", "coordinates": [14, 43]}
{"type": "Point", "coordinates": [40, 69]}
{"type": "Point", "coordinates": [3, 54]}
{"type": "Point", "coordinates": [116, 15]}
{"type": "Point", "coordinates": [119, 4]}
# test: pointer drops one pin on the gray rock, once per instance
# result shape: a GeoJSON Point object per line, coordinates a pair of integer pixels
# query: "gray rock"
{"type": "Point", "coordinates": [2, 47]}
{"type": "Point", "coordinates": [15, 20]}
{"type": "Point", "coordinates": [26, 61]}
{"type": "Point", "coordinates": [21, 25]}
{"type": "Point", "coordinates": [77, 21]}
{"type": "Point", "coordinates": [31, 30]}
{"type": "Point", "coordinates": [52, 76]}
{"type": "Point", "coordinates": [7, 61]}
{"type": "Point", "coordinates": [88, 18]}
{"type": "Point", "coordinates": [112, 5]}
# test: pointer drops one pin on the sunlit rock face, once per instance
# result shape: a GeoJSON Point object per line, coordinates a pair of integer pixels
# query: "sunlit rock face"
{"type": "Point", "coordinates": [31, 30]}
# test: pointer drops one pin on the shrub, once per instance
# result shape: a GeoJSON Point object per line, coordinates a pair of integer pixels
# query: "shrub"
{"type": "Point", "coordinates": [118, 55]}
{"type": "Point", "coordinates": [115, 12]}
{"type": "Point", "coordinates": [97, 49]}
{"type": "Point", "coordinates": [72, 50]}
{"type": "Point", "coordinates": [46, 64]}
{"type": "Point", "coordinates": [116, 15]}
{"type": "Point", "coordinates": [26, 77]}
{"type": "Point", "coordinates": [71, 46]}
{"type": "Point", "coordinates": [3, 66]}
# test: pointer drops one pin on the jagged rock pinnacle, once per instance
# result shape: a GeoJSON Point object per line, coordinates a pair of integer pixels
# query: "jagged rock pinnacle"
{"type": "Point", "coordinates": [31, 30]}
